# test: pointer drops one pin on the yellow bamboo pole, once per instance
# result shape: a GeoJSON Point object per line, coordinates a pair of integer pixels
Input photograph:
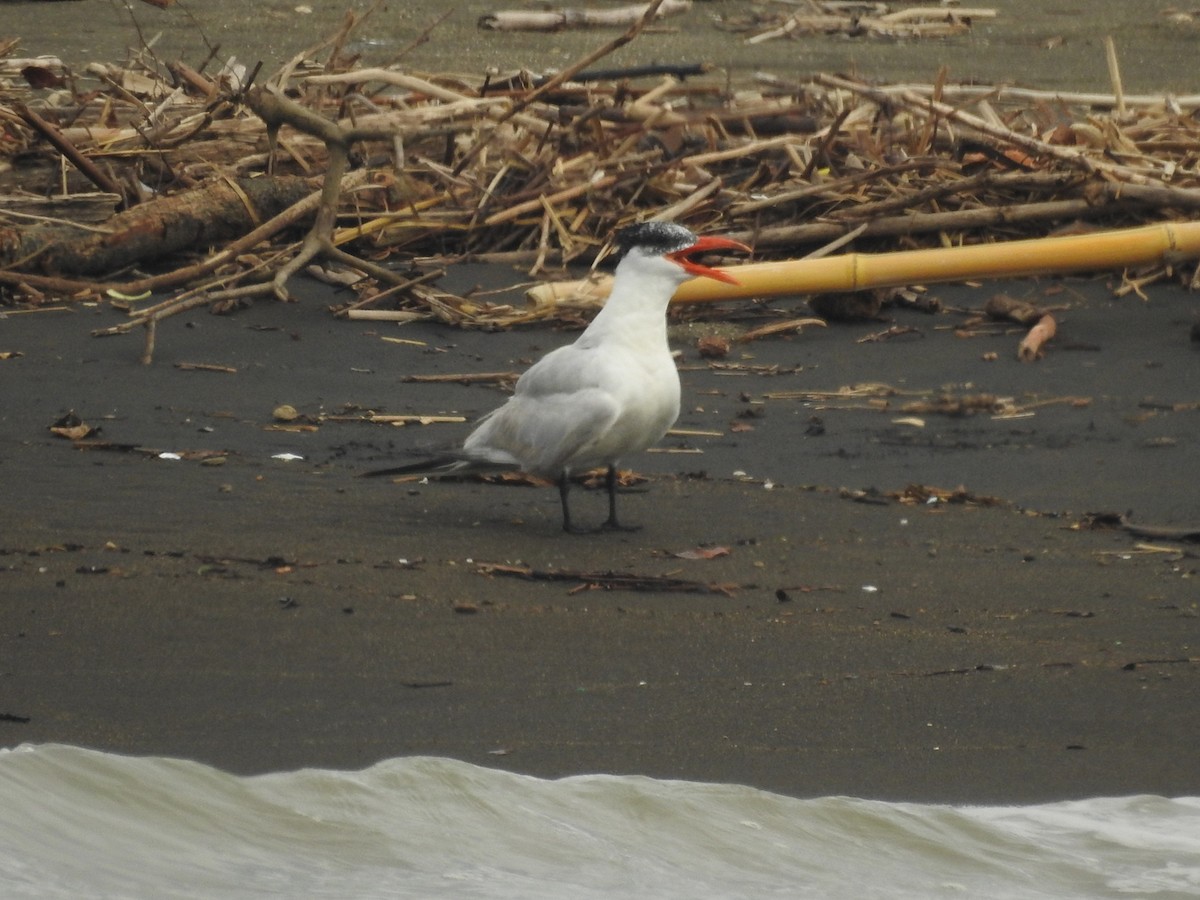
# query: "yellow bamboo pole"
{"type": "Point", "coordinates": [861, 271]}
{"type": "Point", "coordinates": [1011, 259]}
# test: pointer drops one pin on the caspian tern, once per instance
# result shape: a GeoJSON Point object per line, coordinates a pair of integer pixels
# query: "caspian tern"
{"type": "Point", "coordinates": [613, 392]}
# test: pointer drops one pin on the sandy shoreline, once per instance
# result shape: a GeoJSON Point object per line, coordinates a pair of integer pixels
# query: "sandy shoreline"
{"type": "Point", "coordinates": [264, 615]}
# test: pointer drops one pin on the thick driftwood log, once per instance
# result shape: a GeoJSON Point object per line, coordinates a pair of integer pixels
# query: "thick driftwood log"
{"type": "Point", "coordinates": [88, 208]}
{"type": "Point", "coordinates": [195, 219]}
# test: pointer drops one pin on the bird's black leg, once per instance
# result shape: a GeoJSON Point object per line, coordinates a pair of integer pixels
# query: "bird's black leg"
{"type": "Point", "coordinates": [564, 488]}
{"type": "Point", "coordinates": [612, 524]}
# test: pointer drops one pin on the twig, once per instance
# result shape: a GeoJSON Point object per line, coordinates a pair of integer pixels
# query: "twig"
{"type": "Point", "coordinates": [1114, 74]}
{"type": "Point", "coordinates": [1032, 145]}
{"type": "Point", "coordinates": [382, 419]}
{"type": "Point", "coordinates": [93, 172]}
{"type": "Point", "coordinates": [610, 581]}
{"type": "Point", "coordinates": [466, 378]}
{"type": "Point", "coordinates": [206, 367]}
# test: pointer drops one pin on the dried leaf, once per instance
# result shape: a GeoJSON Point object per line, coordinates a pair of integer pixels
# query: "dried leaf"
{"type": "Point", "coordinates": [72, 432]}
{"type": "Point", "coordinates": [702, 553]}
{"type": "Point", "coordinates": [72, 427]}
{"type": "Point", "coordinates": [38, 77]}
{"type": "Point", "coordinates": [713, 347]}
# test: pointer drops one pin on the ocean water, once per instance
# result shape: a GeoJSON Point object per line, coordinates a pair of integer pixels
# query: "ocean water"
{"type": "Point", "coordinates": [79, 823]}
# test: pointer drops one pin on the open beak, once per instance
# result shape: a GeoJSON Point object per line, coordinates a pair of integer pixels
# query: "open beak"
{"type": "Point", "coordinates": [704, 245]}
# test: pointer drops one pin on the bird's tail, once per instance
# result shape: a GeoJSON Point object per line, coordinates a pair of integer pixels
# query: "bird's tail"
{"type": "Point", "coordinates": [438, 465]}
{"type": "Point", "coordinates": [447, 464]}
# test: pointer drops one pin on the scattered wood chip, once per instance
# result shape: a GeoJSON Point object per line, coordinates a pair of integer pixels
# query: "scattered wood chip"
{"type": "Point", "coordinates": [1032, 345]}
{"type": "Point", "coordinates": [914, 494]}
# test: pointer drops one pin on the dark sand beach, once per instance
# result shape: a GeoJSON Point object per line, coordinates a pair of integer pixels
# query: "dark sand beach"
{"type": "Point", "coordinates": [260, 613]}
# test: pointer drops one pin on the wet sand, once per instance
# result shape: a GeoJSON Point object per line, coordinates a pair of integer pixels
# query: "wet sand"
{"type": "Point", "coordinates": [263, 614]}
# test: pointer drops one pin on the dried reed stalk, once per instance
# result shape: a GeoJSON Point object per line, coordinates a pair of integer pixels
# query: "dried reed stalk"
{"type": "Point", "coordinates": [540, 172]}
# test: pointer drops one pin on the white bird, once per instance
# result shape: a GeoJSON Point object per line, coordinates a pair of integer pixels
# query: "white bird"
{"type": "Point", "coordinates": [613, 392]}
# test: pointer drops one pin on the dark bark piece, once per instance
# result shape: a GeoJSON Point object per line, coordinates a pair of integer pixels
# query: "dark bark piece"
{"type": "Point", "coordinates": [193, 220]}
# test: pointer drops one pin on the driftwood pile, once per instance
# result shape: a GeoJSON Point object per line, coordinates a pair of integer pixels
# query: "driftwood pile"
{"type": "Point", "coordinates": [858, 19]}
{"type": "Point", "coordinates": [217, 173]}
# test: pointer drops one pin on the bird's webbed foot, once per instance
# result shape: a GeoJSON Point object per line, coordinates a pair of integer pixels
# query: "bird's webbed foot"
{"type": "Point", "coordinates": [613, 525]}
{"type": "Point", "coordinates": [609, 524]}
{"type": "Point", "coordinates": [606, 525]}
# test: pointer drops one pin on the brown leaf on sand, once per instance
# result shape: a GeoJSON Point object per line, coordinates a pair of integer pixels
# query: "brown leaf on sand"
{"type": "Point", "coordinates": [71, 427]}
{"type": "Point", "coordinates": [702, 553]}
{"type": "Point", "coordinates": [713, 347]}
{"type": "Point", "coordinates": [39, 77]}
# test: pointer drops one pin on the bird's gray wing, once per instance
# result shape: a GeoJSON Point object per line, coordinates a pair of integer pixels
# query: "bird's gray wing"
{"type": "Point", "coordinates": [544, 432]}
{"type": "Point", "coordinates": [567, 370]}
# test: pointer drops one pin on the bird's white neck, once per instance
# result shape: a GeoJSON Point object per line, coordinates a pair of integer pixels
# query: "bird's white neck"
{"type": "Point", "coordinates": [637, 303]}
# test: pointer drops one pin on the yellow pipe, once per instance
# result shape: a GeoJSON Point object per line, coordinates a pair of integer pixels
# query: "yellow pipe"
{"type": "Point", "coordinates": [1036, 256]}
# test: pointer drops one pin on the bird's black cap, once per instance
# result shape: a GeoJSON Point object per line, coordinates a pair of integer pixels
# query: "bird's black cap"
{"type": "Point", "coordinates": [658, 238]}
